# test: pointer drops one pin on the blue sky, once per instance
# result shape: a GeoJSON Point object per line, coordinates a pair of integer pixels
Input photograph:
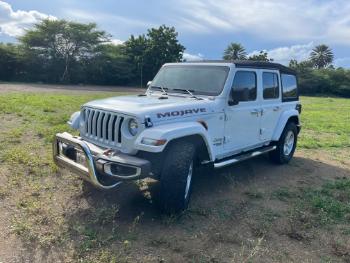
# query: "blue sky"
{"type": "Point", "coordinates": [286, 29]}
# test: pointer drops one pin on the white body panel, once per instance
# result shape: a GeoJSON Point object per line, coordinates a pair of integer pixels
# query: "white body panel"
{"type": "Point", "coordinates": [270, 110]}
{"type": "Point", "coordinates": [242, 126]}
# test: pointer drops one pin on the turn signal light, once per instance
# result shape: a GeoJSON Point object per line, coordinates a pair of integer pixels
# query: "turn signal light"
{"type": "Point", "coordinates": [153, 142]}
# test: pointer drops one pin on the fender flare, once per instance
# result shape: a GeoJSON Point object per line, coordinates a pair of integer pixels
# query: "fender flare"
{"type": "Point", "coordinates": [170, 132]}
{"type": "Point", "coordinates": [283, 121]}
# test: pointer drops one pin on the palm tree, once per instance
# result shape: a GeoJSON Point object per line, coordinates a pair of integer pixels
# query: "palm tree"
{"type": "Point", "coordinates": [235, 51]}
{"type": "Point", "coordinates": [321, 56]}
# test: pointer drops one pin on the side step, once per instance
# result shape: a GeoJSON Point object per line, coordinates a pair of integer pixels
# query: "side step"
{"type": "Point", "coordinates": [243, 156]}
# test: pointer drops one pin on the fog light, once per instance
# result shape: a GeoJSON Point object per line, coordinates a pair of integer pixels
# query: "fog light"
{"type": "Point", "coordinates": [115, 169]}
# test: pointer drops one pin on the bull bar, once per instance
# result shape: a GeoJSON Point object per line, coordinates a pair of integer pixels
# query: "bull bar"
{"type": "Point", "coordinates": [99, 163]}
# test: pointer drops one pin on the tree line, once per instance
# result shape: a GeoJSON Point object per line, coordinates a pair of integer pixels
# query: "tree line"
{"type": "Point", "coordinates": [316, 75]}
{"type": "Point", "coordinates": [60, 51]}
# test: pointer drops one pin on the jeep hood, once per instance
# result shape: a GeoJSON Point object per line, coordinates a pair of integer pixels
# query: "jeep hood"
{"type": "Point", "coordinates": [154, 106]}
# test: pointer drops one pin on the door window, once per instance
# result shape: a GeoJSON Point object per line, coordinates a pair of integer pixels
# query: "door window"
{"type": "Point", "coordinates": [289, 87]}
{"type": "Point", "coordinates": [270, 85]}
{"type": "Point", "coordinates": [244, 86]}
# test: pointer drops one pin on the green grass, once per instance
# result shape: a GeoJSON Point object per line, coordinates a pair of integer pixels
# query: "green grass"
{"type": "Point", "coordinates": [324, 205]}
{"type": "Point", "coordinates": [46, 113]}
{"type": "Point", "coordinates": [312, 209]}
{"type": "Point", "coordinates": [282, 194]}
{"type": "Point", "coordinates": [331, 203]}
{"type": "Point", "coordinates": [325, 123]}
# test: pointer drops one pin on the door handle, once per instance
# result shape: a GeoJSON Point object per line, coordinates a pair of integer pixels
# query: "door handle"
{"type": "Point", "coordinates": [255, 112]}
{"type": "Point", "coordinates": [277, 108]}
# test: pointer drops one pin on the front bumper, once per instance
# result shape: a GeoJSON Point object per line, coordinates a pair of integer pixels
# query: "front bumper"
{"type": "Point", "coordinates": [104, 168]}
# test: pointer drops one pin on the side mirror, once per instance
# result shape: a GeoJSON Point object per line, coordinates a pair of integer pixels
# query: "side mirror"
{"type": "Point", "coordinates": [233, 100]}
{"type": "Point", "coordinates": [149, 83]}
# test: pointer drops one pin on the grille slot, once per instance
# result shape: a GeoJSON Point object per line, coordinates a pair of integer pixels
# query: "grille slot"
{"type": "Point", "coordinates": [102, 126]}
{"type": "Point", "coordinates": [119, 129]}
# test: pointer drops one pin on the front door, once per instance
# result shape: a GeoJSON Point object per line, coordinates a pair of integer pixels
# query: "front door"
{"type": "Point", "coordinates": [242, 125]}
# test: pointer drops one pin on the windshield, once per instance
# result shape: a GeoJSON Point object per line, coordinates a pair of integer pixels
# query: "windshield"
{"type": "Point", "coordinates": [205, 80]}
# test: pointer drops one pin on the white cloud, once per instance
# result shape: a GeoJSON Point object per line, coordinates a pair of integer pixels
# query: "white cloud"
{"type": "Point", "coordinates": [301, 20]}
{"type": "Point", "coordinates": [192, 57]}
{"type": "Point", "coordinates": [117, 42]}
{"type": "Point", "coordinates": [13, 23]}
{"type": "Point", "coordinates": [284, 54]}
{"type": "Point", "coordinates": [90, 16]}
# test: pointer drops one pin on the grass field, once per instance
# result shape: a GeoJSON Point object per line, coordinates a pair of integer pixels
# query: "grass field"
{"type": "Point", "coordinates": [326, 123]}
{"type": "Point", "coordinates": [253, 212]}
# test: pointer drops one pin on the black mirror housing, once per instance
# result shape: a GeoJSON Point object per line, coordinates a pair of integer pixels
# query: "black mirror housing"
{"type": "Point", "coordinates": [232, 99]}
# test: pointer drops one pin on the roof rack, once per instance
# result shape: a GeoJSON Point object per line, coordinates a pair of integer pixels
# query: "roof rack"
{"type": "Point", "coordinates": [251, 64]}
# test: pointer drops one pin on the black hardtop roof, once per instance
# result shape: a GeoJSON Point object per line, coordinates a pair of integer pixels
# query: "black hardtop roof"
{"type": "Point", "coordinates": [251, 64]}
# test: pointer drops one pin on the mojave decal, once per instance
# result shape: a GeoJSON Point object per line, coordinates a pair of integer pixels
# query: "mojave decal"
{"type": "Point", "coordinates": [181, 112]}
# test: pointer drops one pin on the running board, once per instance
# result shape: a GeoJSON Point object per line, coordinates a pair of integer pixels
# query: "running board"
{"type": "Point", "coordinates": [244, 156]}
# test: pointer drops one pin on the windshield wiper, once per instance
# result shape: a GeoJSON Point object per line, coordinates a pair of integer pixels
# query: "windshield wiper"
{"type": "Point", "coordinates": [189, 91]}
{"type": "Point", "coordinates": [163, 89]}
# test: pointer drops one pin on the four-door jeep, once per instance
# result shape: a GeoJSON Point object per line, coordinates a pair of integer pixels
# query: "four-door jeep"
{"type": "Point", "coordinates": [199, 113]}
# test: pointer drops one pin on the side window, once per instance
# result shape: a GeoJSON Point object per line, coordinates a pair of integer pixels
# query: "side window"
{"type": "Point", "coordinates": [270, 86]}
{"type": "Point", "coordinates": [289, 87]}
{"type": "Point", "coordinates": [244, 86]}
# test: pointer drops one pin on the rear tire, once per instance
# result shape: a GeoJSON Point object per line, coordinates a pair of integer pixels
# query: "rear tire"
{"type": "Point", "coordinates": [286, 145]}
{"type": "Point", "coordinates": [176, 177]}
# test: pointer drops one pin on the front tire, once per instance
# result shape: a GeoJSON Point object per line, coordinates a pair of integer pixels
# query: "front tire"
{"type": "Point", "coordinates": [286, 145]}
{"type": "Point", "coordinates": [176, 177]}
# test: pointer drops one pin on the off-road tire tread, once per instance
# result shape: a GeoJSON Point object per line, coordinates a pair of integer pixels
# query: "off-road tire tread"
{"type": "Point", "coordinates": [173, 179]}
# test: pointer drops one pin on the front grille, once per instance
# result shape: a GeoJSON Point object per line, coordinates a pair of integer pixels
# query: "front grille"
{"type": "Point", "coordinates": [102, 126]}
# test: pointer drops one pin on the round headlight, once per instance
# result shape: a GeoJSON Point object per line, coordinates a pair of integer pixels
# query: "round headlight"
{"type": "Point", "coordinates": [133, 127]}
{"type": "Point", "coordinates": [74, 120]}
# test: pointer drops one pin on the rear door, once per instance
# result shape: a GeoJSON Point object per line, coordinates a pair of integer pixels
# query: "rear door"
{"type": "Point", "coordinates": [270, 103]}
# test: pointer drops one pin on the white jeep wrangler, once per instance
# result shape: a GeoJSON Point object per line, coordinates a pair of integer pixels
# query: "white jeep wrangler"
{"type": "Point", "coordinates": [203, 113]}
